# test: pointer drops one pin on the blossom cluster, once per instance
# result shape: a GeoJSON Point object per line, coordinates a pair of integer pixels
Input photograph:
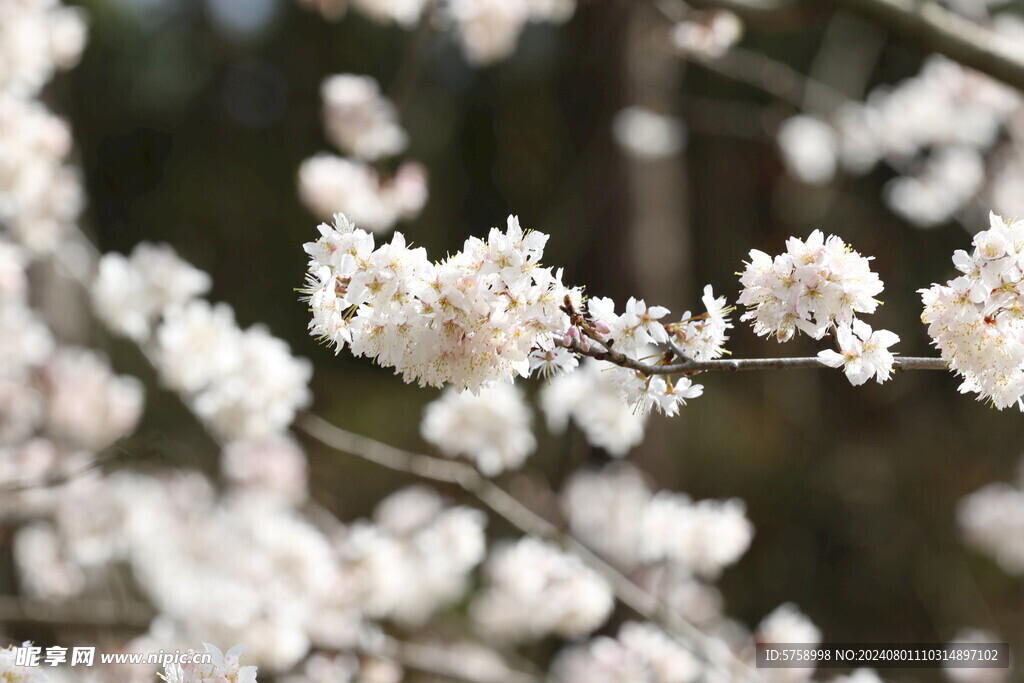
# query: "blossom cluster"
{"type": "Point", "coordinates": [935, 129]}
{"type": "Point", "coordinates": [992, 520]}
{"type": "Point", "coordinates": [975, 320]}
{"type": "Point", "coordinates": [487, 30]}
{"type": "Point", "coordinates": [638, 330]}
{"type": "Point", "coordinates": [11, 671]}
{"type": "Point", "coordinates": [819, 286]}
{"type": "Point", "coordinates": [616, 513]}
{"type": "Point", "coordinates": [224, 668]}
{"type": "Point", "coordinates": [240, 567]}
{"type": "Point", "coordinates": [328, 182]}
{"type": "Point", "coordinates": [59, 403]}
{"type": "Point", "coordinates": [364, 124]}
{"type": "Point", "coordinates": [359, 120]}
{"type": "Point", "coordinates": [40, 193]}
{"type": "Point", "coordinates": [414, 558]}
{"type": "Point", "coordinates": [707, 35]}
{"type": "Point", "coordinates": [242, 383]}
{"type": "Point", "coordinates": [491, 428]}
{"type": "Point", "coordinates": [490, 313]}
{"type": "Point", "coordinates": [592, 399]}
{"type": "Point", "coordinates": [470, 320]}
{"type": "Point", "coordinates": [648, 135]}
{"type": "Point", "coordinates": [533, 589]}
{"type": "Point", "coordinates": [642, 653]}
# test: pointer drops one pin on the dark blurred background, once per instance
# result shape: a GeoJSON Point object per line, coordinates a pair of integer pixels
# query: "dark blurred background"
{"type": "Point", "coordinates": [192, 116]}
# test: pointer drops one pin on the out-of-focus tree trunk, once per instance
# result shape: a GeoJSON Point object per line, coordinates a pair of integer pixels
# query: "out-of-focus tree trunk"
{"type": "Point", "coordinates": [659, 232]}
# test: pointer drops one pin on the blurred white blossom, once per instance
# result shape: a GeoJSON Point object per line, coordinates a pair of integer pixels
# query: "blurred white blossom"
{"type": "Point", "coordinates": [86, 402]}
{"type": "Point", "coordinates": [591, 397]}
{"type": "Point", "coordinates": [642, 653]}
{"type": "Point", "coordinates": [810, 149]}
{"type": "Point", "coordinates": [702, 537]}
{"type": "Point", "coordinates": [37, 37]}
{"type": "Point", "coordinates": [359, 120]}
{"type": "Point", "coordinates": [707, 35]}
{"type": "Point", "coordinates": [992, 520]}
{"type": "Point", "coordinates": [329, 184]}
{"type": "Point", "coordinates": [647, 134]}
{"type": "Point", "coordinates": [532, 589]}
{"type": "Point", "coordinates": [273, 467]}
{"type": "Point", "coordinates": [130, 293]}
{"type": "Point", "coordinates": [491, 428]}
{"type": "Point", "coordinates": [962, 674]}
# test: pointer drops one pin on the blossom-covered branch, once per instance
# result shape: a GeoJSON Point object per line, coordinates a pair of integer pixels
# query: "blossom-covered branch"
{"type": "Point", "coordinates": [506, 506]}
{"type": "Point", "coordinates": [492, 312]}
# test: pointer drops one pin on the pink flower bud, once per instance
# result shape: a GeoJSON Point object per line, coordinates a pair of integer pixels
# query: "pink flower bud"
{"type": "Point", "coordinates": [602, 327]}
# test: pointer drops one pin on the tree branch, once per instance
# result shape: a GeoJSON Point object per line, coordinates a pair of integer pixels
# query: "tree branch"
{"type": "Point", "coordinates": [924, 21]}
{"type": "Point", "coordinates": [87, 612]}
{"type": "Point", "coordinates": [526, 520]}
{"type": "Point", "coordinates": [737, 364]}
{"type": "Point", "coordinates": [942, 31]}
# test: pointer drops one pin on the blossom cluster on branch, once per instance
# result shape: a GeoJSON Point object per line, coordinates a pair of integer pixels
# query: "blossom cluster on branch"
{"type": "Point", "coordinates": [817, 286]}
{"type": "Point", "coordinates": [976, 320]}
{"type": "Point", "coordinates": [491, 312]}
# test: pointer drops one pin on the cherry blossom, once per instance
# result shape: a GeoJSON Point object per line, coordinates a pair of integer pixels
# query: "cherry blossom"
{"type": "Point", "coordinates": [864, 353]}
{"type": "Point", "coordinates": [975, 319]}
{"type": "Point", "coordinates": [492, 428]}
{"type": "Point", "coordinates": [816, 284]}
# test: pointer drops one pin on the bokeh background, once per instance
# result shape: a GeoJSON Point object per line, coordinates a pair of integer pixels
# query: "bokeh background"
{"type": "Point", "coordinates": [191, 118]}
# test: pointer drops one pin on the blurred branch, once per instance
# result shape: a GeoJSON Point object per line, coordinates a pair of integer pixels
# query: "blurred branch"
{"type": "Point", "coordinates": [526, 520]}
{"type": "Point", "coordinates": [924, 21]}
{"type": "Point", "coordinates": [771, 76]}
{"type": "Point", "coordinates": [59, 477]}
{"type": "Point", "coordinates": [75, 613]}
{"type": "Point", "coordinates": [942, 31]}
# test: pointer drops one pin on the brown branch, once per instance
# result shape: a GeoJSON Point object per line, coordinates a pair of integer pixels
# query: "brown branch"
{"type": "Point", "coordinates": [940, 30]}
{"type": "Point", "coordinates": [526, 520]}
{"type": "Point", "coordinates": [737, 364]}
{"type": "Point", "coordinates": [923, 21]}
{"type": "Point", "coordinates": [107, 613]}
{"type": "Point", "coordinates": [445, 662]}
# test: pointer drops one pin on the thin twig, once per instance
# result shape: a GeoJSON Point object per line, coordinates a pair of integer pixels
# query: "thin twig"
{"type": "Point", "coordinates": [771, 76]}
{"type": "Point", "coordinates": [737, 364]}
{"type": "Point", "coordinates": [924, 21]}
{"type": "Point", "coordinates": [526, 520]}
{"type": "Point", "coordinates": [940, 30]}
